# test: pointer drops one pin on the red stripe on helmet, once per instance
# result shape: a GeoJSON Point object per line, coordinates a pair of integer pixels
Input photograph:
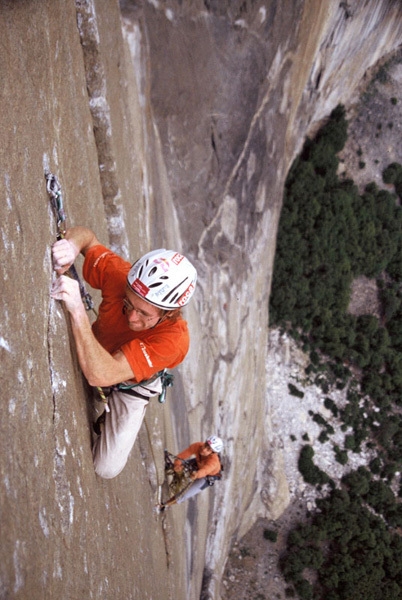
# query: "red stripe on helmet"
{"type": "Point", "coordinates": [186, 296]}
{"type": "Point", "coordinates": [139, 288]}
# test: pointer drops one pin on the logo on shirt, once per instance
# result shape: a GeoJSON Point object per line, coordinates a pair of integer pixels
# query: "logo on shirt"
{"type": "Point", "coordinates": [177, 258]}
{"type": "Point", "coordinates": [140, 288]}
{"type": "Point", "coordinates": [186, 296]}
{"type": "Point", "coordinates": [145, 353]}
{"type": "Point", "coordinates": [99, 257]}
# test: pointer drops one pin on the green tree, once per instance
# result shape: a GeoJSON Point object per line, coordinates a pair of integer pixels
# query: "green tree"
{"type": "Point", "coordinates": [392, 173]}
{"type": "Point", "coordinates": [311, 473]}
{"type": "Point", "coordinates": [358, 482]}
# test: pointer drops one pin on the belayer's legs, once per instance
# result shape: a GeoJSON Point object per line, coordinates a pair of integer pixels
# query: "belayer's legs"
{"type": "Point", "coordinates": [191, 490]}
{"type": "Point", "coordinates": [119, 432]}
{"type": "Point", "coordinates": [169, 502]}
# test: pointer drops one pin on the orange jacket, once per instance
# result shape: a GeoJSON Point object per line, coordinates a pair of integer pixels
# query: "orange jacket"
{"type": "Point", "coordinates": [149, 351]}
{"type": "Point", "coordinates": [206, 465]}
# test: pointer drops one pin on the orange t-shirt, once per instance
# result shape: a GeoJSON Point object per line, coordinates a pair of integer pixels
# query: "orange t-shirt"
{"type": "Point", "coordinates": [149, 351]}
{"type": "Point", "coordinates": [206, 465]}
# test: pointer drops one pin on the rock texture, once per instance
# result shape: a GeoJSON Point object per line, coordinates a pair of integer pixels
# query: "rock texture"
{"type": "Point", "coordinates": [64, 533]}
{"type": "Point", "coordinates": [248, 93]}
{"type": "Point", "coordinates": [170, 124]}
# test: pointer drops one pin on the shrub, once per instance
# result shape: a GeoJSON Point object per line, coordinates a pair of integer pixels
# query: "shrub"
{"type": "Point", "coordinates": [304, 589]}
{"type": "Point", "coordinates": [375, 465]}
{"type": "Point", "coordinates": [351, 443]}
{"type": "Point", "coordinates": [323, 437]}
{"type": "Point", "coordinates": [294, 391]}
{"type": "Point", "coordinates": [310, 472]}
{"type": "Point", "coordinates": [270, 535]}
{"type": "Point", "coordinates": [330, 405]}
{"type": "Point", "coordinates": [341, 456]}
{"type": "Point", "coordinates": [317, 418]}
{"type": "Point", "coordinates": [392, 173]}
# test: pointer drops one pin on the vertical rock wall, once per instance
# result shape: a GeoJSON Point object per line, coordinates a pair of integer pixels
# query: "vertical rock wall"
{"type": "Point", "coordinates": [235, 88]}
{"type": "Point", "coordinates": [69, 104]}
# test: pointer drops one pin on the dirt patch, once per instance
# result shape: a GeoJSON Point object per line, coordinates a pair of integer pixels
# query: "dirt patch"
{"type": "Point", "coordinates": [364, 297]}
{"type": "Point", "coordinates": [252, 572]}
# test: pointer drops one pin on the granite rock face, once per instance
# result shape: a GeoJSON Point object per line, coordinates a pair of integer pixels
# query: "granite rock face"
{"type": "Point", "coordinates": [235, 88]}
{"type": "Point", "coordinates": [168, 124]}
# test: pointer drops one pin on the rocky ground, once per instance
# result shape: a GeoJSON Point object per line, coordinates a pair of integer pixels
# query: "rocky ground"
{"type": "Point", "coordinates": [252, 566]}
{"type": "Point", "coordinates": [252, 571]}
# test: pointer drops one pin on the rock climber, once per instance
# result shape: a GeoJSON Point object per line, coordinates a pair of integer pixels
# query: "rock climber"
{"type": "Point", "coordinates": [206, 469]}
{"type": "Point", "coordinates": [139, 331]}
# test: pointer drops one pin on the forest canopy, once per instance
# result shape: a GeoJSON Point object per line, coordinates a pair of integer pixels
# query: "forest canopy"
{"type": "Point", "coordinates": [329, 234]}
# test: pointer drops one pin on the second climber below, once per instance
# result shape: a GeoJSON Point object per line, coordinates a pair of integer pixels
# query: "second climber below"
{"type": "Point", "coordinates": [139, 332]}
{"type": "Point", "coordinates": [207, 467]}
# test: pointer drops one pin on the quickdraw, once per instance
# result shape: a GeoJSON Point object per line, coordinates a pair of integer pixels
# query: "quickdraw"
{"type": "Point", "coordinates": [167, 381]}
{"type": "Point", "coordinates": [56, 200]}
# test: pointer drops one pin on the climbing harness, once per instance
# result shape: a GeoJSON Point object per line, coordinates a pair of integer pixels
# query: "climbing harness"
{"type": "Point", "coordinates": [56, 200]}
{"type": "Point", "coordinates": [212, 478]}
{"type": "Point", "coordinates": [129, 388]}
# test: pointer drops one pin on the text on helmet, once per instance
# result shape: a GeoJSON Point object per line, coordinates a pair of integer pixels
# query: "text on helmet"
{"type": "Point", "coordinates": [177, 258]}
{"type": "Point", "coordinates": [140, 288]}
{"type": "Point", "coordinates": [186, 296]}
{"type": "Point", "coordinates": [161, 291]}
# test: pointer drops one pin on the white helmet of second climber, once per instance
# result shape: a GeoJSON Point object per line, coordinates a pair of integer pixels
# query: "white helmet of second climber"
{"type": "Point", "coordinates": [215, 443]}
{"type": "Point", "coordinates": [163, 278]}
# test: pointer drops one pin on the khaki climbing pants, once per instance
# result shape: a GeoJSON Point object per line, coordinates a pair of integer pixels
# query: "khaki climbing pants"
{"type": "Point", "coordinates": [122, 424]}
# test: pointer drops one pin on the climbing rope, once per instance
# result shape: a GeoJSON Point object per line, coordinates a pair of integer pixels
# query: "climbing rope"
{"type": "Point", "coordinates": [179, 481]}
{"type": "Point", "coordinates": [56, 200]}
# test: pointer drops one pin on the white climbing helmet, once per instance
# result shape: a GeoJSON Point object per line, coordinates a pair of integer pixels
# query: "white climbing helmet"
{"type": "Point", "coordinates": [164, 278]}
{"type": "Point", "coordinates": [215, 443]}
